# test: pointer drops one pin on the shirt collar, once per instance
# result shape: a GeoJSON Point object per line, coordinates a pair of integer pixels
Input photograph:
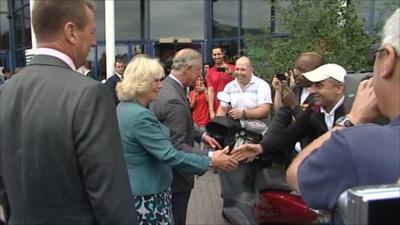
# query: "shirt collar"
{"type": "Point", "coordinates": [55, 53]}
{"type": "Point", "coordinates": [339, 103]}
{"type": "Point", "coordinates": [176, 79]}
{"type": "Point", "coordinates": [252, 81]}
{"type": "Point", "coordinates": [119, 75]}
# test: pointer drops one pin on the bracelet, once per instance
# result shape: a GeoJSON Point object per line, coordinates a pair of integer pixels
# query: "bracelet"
{"type": "Point", "coordinates": [244, 114]}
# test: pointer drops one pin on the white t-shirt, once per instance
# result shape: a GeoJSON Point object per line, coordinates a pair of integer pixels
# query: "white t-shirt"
{"type": "Point", "coordinates": [255, 93]}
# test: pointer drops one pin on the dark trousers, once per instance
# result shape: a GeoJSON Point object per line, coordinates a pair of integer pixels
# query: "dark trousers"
{"type": "Point", "coordinates": [180, 201]}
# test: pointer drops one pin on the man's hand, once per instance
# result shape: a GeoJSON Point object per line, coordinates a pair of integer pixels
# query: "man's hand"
{"type": "Point", "coordinates": [292, 82]}
{"type": "Point", "coordinates": [247, 152]}
{"type": "Point", "coordinates": [289, 98]}
{"type": "Point", "coordinates": [365, 107]}
{"type": "Point", "coordinates": [211, 142]}
{"type": "Point", "coordinates": [277, 84]}
{"type": "Point", "coordinates": [221, 160]}
{"type": "Point", "coordinates": [236, 114]}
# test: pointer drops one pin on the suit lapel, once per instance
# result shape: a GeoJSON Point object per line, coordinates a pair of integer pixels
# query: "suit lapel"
{"type": "Point", "coordinates": [339, 112]}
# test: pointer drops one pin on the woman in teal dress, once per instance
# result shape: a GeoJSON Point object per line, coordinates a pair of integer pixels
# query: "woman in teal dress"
{"type": "Point", "coordinates": [149, 155]}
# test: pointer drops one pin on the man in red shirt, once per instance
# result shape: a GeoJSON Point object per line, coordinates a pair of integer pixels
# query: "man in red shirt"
{"type": "Point", "coordinates": [217, 77]}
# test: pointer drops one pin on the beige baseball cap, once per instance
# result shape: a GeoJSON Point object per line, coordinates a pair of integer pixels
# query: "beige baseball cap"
{"type": "Point", "coordinates": [326, 71]}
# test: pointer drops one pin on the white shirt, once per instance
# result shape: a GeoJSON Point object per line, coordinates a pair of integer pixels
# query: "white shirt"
{"type": "Point", "coordinates": [305, 92]}
{"type": "Point", "coordinates": [330, 117]}
{"type": "Point", "coordinates": [255, 93]}
{"type": "Point", "coordinates": [55, 53]}
{"type": "Point", "coordinates": [119, 75]}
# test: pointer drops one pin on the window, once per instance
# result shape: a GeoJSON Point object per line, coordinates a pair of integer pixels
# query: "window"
{"type": "Point", "coordinates": [256, 16]}
{"type": "Point", "coordinates": [3, 27]}
{"type": "Point", "coordinates": [225, 18]}
{"type": "Point", "coordinates": [128, 20]}
{"type": "Point", "coordinates": [177, 18]}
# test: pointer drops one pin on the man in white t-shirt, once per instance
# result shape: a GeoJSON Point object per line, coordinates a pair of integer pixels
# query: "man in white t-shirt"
{"type": "Point", "coordinates": [250, 99]}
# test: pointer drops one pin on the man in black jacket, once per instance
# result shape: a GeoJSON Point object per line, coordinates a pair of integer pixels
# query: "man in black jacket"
{"type": "Point", "coordinates": [117, 77]}
{"type": "Point", "coordinates": [290, 103]}
{"type": "Point", "coordinates": [328, 93]}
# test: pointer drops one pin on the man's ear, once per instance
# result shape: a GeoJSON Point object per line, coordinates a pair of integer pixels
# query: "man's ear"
{"type": "Point", "coordinates": [340, 88]}
{"type": "Point", "coordinates": [70, 32]}
{"type": "Point", "coordinates": [388, 61]}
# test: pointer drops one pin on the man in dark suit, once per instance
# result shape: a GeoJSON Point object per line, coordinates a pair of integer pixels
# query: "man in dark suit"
{"type": "Point", "coordinates": [117, 77]}
{"type": "Point", "coordinates": [173, 110]}
{"type": "Point", "coordinates": [289, 103]}
{"type": "Point", "coordinates": [328, 93]}
{"type": "Point", "coordinates": [61, 154]}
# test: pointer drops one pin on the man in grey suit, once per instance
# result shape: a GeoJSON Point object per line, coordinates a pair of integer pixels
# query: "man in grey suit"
{"type": "Point", "coordinates": [61, 155]}
{"type": "Point", "coordinates": [173, 110]}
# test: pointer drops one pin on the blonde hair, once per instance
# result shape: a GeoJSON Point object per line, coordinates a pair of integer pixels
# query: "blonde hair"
{"type": "Point", "coordinates": [138, 77]}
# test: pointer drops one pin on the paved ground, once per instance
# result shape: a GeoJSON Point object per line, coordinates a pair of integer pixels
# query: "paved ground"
{"type": "Point", "coordinates": [205, 202]}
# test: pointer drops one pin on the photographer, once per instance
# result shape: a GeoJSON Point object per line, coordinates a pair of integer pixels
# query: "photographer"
{"type": "Point", "coordinates": [328, 93]}
{"type": "Point", "coordinates": [292, 90]}
{"type": "Point", "coordinates": [364, 154]}
{"type": "Point", "coordinates": [217, 77]}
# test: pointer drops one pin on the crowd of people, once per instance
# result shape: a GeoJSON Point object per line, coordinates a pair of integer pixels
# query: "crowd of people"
{"type": "Point", "coordinates": [76, 151]}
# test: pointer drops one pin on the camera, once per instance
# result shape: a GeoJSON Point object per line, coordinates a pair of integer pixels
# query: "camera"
{"type": "Point", "coordinates": [221, 69]}
{"type": "Point", "coordinates": [281, 76]}
{"type": "Point", "coordinates": [370, 205]}
{"type": "Point", "coordinates": [352, 80]}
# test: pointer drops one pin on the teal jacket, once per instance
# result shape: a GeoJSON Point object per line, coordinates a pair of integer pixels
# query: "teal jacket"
{"type": "Point", "coordinates": [149, 155]}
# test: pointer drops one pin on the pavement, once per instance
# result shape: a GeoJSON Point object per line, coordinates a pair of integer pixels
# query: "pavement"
{"type": "Point", "coordinates": [205, 204]}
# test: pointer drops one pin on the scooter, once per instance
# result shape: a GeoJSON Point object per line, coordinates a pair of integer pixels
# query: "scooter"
{"type": "Point", "coordinates": [274, 202]}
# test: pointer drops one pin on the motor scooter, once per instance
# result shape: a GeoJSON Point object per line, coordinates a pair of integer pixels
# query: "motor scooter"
{"type": "Point", "coordinates": [274, 202]}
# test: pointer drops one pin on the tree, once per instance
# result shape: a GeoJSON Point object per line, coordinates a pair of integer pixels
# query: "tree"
{"type": "Point", "coordinates": [331, 28]}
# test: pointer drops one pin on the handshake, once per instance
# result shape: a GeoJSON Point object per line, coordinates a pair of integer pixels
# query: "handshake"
{"type": "Point", "coordinates": [229, 160]}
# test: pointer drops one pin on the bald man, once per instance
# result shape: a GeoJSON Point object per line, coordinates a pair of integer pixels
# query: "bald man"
{"type": "Point", "coordinates": [250, 99]}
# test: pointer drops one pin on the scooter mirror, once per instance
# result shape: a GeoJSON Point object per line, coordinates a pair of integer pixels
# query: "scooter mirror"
{"type": "Point", "coordinates": [224, 97]}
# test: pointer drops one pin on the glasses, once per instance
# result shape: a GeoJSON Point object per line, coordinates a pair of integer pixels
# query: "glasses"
{"type": "Point", "coordinates": [374, 50]}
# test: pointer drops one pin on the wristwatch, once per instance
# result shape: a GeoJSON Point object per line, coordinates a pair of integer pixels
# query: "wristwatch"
{"type": "Point", "coordinates": [344, 121]}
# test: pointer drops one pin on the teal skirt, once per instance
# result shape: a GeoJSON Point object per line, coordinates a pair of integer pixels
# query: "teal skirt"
{"type": "Point", "coordinates": [154, 209]}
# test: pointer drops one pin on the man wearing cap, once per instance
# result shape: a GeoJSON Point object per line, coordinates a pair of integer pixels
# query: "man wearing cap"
{"type": "Point", "coordinates": [328, 92]}
{"type": "Point", "coordinates": [359, 154]}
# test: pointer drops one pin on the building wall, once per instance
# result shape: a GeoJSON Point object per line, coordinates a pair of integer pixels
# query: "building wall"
{"type": "Point", "coordinates": [161, 27]}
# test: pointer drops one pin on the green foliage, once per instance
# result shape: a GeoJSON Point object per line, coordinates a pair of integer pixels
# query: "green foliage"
{"type": "Point", "coordinates": [323, 26]}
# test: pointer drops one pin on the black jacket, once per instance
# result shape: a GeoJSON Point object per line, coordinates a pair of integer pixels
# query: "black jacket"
{"type": "Point", "coordinates": [310, 124]}
{"type": "Point", "coordinates": [111, 84]}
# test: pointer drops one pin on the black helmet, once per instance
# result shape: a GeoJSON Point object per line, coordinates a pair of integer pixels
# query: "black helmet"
{"type": "Point", "coordinates": [223, 129]}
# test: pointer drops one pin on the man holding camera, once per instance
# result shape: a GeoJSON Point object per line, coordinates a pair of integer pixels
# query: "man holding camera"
{"type": "Point", "coordinates": [300, 94]}
{"type": "Point", "coordinates": [217, 77]}
{"type": "Point", "coordinates": [360, 155]}
{"type": "Point", "coordinates": [292, 95]}
{"type": "Point", "coordinates": [328, 93]}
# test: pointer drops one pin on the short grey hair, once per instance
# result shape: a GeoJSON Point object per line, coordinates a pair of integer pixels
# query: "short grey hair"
{"type": "Point", "coordinates": [139, 75]}
{"type": "Point", "coordinates": [186, 57]}
{"type": "Point", "coordinates": [391, 32]}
